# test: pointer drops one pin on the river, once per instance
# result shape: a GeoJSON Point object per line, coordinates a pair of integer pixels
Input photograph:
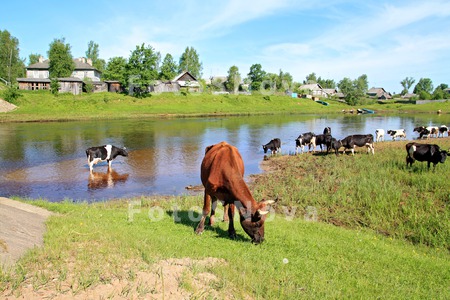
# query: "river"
{"type": "Point", "coordinates": [48, 160]}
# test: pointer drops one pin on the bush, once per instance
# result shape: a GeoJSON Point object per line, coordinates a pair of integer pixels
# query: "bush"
{"type": "Point", "coordinates": [54, 87]}
{"type": "Point", "coordinates": [11, 93]}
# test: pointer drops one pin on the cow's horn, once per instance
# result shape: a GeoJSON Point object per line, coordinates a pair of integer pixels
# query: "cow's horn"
{"type": "Point", "coordinates": [268, 201]}
{"type": "Point", "coordinates": [263, 212]}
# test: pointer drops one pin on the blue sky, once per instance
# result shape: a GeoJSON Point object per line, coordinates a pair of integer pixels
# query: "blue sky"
{"type": "Point", "coordinates": [387, 40]}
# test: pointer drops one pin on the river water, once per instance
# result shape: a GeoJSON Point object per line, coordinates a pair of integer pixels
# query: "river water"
{"type": "Point", "coordinates": [48, 160]}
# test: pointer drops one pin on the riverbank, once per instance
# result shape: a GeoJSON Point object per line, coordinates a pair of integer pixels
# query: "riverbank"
{"type": "Point", "coordinates": [40, 106]}
{"type": "Point", "coordinates": [379, 232]}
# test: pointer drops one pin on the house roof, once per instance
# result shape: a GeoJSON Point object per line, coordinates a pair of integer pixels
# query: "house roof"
{"type": "Point", "coordinates": [185, 76]}
{"type": "Point", "coordinates": [80, 64]}
{"type": "Point", "coordinates": [311, 86]}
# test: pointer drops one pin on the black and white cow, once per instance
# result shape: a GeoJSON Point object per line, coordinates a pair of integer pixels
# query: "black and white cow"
{"type": "Point", "coordinates": [430, 153]}
{"type": "Point", "coordinates": [304, 139]}
{"type": "Point", "coordinates": [103, 153]}
{"type": "Point", "coordinates": [423, 132]}
{"type": "Point", "coordinates": [274, 146]}
{"type": "Point", "coordinates": [327, 130]}
{"type": "Point", "coordinates": [397, 133]}
{"type": "Point", "coordinates": [358, 140]}
{"type": "Point", "coordinates": [379, 135]}
{"type": "Point", "coordinates": [443, 129]}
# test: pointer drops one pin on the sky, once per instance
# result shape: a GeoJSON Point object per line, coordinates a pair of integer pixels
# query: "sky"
{"type": "Point", "coordinates": [386, 40]}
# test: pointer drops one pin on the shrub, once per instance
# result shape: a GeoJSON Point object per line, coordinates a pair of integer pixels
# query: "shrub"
{"type": "Point", "coordinates": [11, 93]}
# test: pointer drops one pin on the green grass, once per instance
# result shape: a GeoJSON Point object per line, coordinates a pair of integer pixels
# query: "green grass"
{"type": "Point", "coordinates": [91, 244]}
{"type": "Point", "coordinates": [391, 242]}
{"type": "Point", "coordinates": [43, 106]}
{"type": "Point", "coordinates": [377, 192]}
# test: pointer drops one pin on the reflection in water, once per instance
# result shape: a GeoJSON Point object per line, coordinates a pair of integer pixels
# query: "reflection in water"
{"type": "Point", "coordinates": [48, 160]}
{"type": "Point", "coordinates": [99, 180]}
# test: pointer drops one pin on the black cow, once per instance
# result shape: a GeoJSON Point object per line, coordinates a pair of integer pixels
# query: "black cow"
{"type": "Point", "coordinates": [422, 131]}
{"type": "Point", "coordinates": [360, 140]}
{"type": "Point", "coordinates": [335, 145]}
{"type": "Point", "coordinates": [103, 153]}
{"type": "Point", "coordinates": [443, 129]}
{"type": "Point", "coordinates": [304, 139]}
{"type": "Point", "coordinates": [323, 139]}
{"type": "Point", "coordinates": [430, 153]}
{"type": "Point", "coordinates": [274, 146]}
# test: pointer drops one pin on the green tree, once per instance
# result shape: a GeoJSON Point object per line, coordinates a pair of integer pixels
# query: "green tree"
{"type": "Point", "coordinates": [353, 90]}
{"type": "Point", "coordinates": [424, 84]}
{"type": "Point", "coordinates": [54, 86]}
{"type": "Point", "coordinates": [256, 76]}
{"type": "Point", "coordinates": [284, 81]}
{"type": "Point", "coordinates": [189, 61]}
{"type": "Point", "coordinates": [233, 79]}
{"type": "Point", "coordinates": [326, 83]}
{"type": "Point", "coordinates": [168, 68]}
{"type": "Point", "coordinates": [61, 60]}
{"type": "Point", "coordinates": [362, 85]}
{"type": "Point", "coordinates": [439, 93]}
{"type": "Point", "coordinates": [33, 58]}
{"type": "Point", "coordinates": [11, 93]}
{"type": "Point", "coordinates": [116, 70]}
{"type": "Point", "coordinates": [406, 84]}
{"type": "Point", "coordinates": [311, 78]}
{"type": "Point", "coordinates": [11, 66]}
{"type": "Point", "coordinates": [93, 54]}
{"type": "Point", "coordinates": [142, 69]}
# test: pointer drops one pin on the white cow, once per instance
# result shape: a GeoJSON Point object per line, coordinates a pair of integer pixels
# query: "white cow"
{"type": "Point", "coordinates": [379, 134]}
{"type": "Point", "coordinates": [397, 133]}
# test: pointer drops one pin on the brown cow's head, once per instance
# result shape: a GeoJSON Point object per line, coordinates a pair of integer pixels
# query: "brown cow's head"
{"type": "Point", "coordinates": [253, 224]}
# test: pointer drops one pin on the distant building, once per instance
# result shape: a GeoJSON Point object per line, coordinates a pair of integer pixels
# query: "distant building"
{"type": "Point", "coordinates": [38, 77]}
{"type": "Point", "coordinates": [379, 93]}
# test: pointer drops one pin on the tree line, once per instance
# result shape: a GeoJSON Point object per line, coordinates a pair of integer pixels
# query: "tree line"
{"type": "Point", "coordinates": [144, 66]}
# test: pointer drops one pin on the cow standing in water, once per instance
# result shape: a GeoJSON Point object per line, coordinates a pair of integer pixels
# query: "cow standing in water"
{"type": "Point", "coordinates": [222, 175]}
{"type": "Point", "coordinates": [103, 153]}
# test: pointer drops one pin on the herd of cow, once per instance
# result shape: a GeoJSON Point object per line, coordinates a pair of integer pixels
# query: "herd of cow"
{"type": "Point", "coordinates": [430, 153]}
{"type": "Point", "coordinates": [222, 171]}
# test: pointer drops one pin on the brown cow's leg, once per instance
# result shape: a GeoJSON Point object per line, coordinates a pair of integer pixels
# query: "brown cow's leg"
{"type": "Point", "coordinates": [206, 210]}
{"type": "Point", "coordinates": [231, 230]}
{"type": "Point", "coordinates": [213, 211]}
{"type": "Point", "coordinates": [225, 212]}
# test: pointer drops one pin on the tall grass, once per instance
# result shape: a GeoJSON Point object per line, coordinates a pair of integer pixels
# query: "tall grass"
{"type": "Point", "coordinates": [377, 192]}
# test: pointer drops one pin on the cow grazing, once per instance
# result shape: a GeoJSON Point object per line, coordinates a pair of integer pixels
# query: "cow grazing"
{"type": "Point", "coordinates": [305, 139]}
{"type": "Point", "coordinates": [379, 135]}
{"type": "Point", "coordinates": [334, 145]}
{"type": "Point", "coordinates": [425, 152]}
{"type": "Point", "coordinates": [398, 133]}
{"type": "Point", "coordinates": [358, 140]}
{"type": "Point", "coordinates": [103, 153]}
{"type": "Point", "coordinates": [274, 146]}
{"type": "Point", "coordinates": [443, 129]}
{"type": "Point", "coordinates": [222, 175]}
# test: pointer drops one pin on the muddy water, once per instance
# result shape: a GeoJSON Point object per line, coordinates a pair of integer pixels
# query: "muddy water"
{"type": "Point", "coordinates": [48, 160]}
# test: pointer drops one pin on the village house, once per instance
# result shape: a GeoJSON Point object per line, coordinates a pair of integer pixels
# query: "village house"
{"type": "Point", "coordinates": [183, 81]}
{"type": "Point", "coordinates": [38, 77]}
{"type": "Point", "coordinates": [379, 93]}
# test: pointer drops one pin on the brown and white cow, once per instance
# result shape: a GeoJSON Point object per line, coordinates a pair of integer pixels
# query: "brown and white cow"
{"type": "Point", "coordinates": [222, 175]}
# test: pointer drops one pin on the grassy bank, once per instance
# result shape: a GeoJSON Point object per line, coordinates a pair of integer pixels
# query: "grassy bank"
{"type": "Point", "coordinates": [391, 240]}
{"type": "Point", "coordinates": [42, 106]}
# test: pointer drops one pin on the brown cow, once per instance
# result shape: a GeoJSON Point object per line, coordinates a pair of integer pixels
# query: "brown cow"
{"type": "Point", "coordinates": [222, 174]}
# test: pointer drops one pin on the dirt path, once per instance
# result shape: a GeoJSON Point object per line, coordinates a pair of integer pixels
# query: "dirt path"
{"type": "Point", "coordinates": [5, 106]}
{"type": "Point", "coordinates": [21, 228]}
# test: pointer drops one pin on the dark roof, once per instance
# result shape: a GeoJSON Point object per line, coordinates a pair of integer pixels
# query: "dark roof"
{"type": "Point", "coordinates": [46, 80]}
{"type": "Point", "coordinates": [45, 65]}
{"type": "Point", "coordinates": [185, 76]}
